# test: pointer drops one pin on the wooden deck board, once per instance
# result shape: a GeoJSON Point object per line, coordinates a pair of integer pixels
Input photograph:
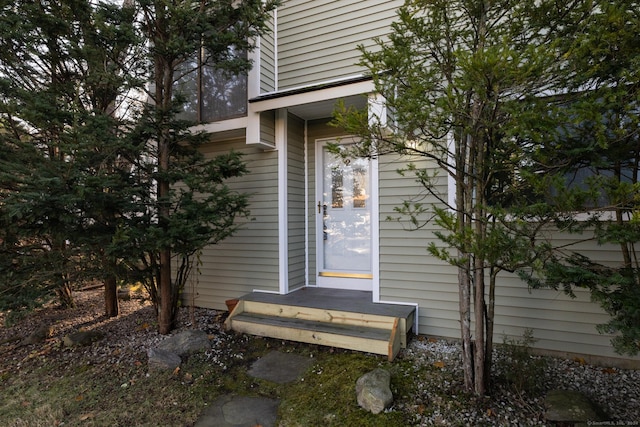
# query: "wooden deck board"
{"type": "Point", "coordinates": [334, 299]}
{"type": "Point", "coordinates": [309, 325]}
{"type": "Point", "coordinates": [330, 339]}
{"type": "Point", "coordinates": [332, 317]}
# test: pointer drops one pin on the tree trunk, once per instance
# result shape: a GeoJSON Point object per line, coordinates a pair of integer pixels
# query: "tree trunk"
{"type": "Point", "coordinates": [463, 201]}
{"type": "Point", "coordinates": [165, 293]}
{"type": "Point", "coordinates": [479, 313]}
{"type": "Point", "coordinates": [478, 151]}
{"type": "Point", "coordinates": [464, 295]}
{"type": "Point", "coordinates": [163, 99]}
{"type": "Point", "coordinates": [167, 301]}
{"type": "Point", "coordinates": [490, 313]}
{"type": "Point", "coordinates": [111, 308]}
{"type": "Point", "coordinates": [166, 311]}
{"type": "Point", "coordinates": [65, 295]}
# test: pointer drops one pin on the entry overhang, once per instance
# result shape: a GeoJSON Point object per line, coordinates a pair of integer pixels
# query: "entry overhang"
{"type": "Point", "coordinates": [308, 103]}
{"type": "Point", "coordinates": [314, 95]}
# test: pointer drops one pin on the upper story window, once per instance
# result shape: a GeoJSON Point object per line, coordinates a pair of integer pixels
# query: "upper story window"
{"type": "Point", "coordinates": [211, 94]}
{"type": "Point", "coordinates": [602, 157]}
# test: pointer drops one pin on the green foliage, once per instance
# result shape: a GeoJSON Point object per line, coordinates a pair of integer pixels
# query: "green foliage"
{"type": "Point", "coordinates": [467, 86]}
{"type": "Point", "coordinates": [615, 289]}
{"type": "Point", "coordinates": [94, 180]}
{"type": "Point", "coordinates": [27, 275]}
{"type": "Point", "coordinates": [518, 367]}
{"type": "Point", "coordinates": [507, 99]}
{"type": "Point", "coordinates": [215, 33]}
{"type": "Point", "coordinates": [597, 153]}
{"type": "Point", "coordinates": [65, 171]}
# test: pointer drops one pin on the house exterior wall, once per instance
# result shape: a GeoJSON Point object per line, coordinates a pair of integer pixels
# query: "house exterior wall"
{"type": "Point", "coordinates": [317, 44]}
{"type": "Point", "coordinates": [408, 273]}
{"type": "Point", "coordinates": [267, 52]}
{"type": "Point", "coordinates": [314, 45]}
{"type": "Point", "coordinates": [268, 127]}
{"type": "Point", "coordinates": [249, 259]}
{"type": "Point", "coordinates": [295, 202]}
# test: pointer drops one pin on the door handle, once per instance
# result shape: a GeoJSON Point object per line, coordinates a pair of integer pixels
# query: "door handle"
{"type": "Point", "coordinates": [322, 208]}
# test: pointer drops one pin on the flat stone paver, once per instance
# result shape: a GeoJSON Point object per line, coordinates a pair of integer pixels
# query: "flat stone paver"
{"type": "Point", "coordinates": [280, 368]}
{"type": "Point", "coordinates": [246, 411]}
{"type": "Point", "coordinates": [240, 411]}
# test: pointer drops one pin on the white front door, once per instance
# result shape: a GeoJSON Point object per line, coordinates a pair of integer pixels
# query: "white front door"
{"type": "Point", "coordinates": [343, 221]}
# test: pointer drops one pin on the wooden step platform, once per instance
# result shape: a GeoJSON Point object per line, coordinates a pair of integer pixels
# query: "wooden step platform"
{"type": "Point", "coordinates": [329, 317]}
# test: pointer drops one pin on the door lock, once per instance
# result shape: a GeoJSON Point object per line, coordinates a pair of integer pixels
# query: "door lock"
{"type": "Point", "coordinates": [322, 208]}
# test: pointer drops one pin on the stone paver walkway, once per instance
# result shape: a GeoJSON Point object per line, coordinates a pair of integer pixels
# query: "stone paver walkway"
{"type": "Point", "coordinates": [246, 411]}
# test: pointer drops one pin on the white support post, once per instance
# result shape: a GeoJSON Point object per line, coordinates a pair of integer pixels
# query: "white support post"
{"type": "Point", "coordinates": [283, 202]}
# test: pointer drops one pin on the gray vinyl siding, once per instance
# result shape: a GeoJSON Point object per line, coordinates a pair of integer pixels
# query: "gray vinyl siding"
{"type": "Point", "coordinates": [408, 273]}
{"type": "Point", "coordinates": [247, 260]}
{"type": "Point", "coordinates": [268, 127]}
{"type": "Point", "coordinates": [295, 205]}
{"type": "Point", "coordinates": [268, 60]}
{"type": "Point", "coordinates": [317, 39]}
{"type": "Point", "coordinates": [559, 322]}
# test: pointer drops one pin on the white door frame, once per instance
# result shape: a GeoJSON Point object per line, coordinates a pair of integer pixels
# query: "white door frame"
{"type": "Point", "coordinates": [343, 281]}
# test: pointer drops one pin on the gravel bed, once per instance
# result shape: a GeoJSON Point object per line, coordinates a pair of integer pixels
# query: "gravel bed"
{"type": "Point", "coordinates": [616, 391]}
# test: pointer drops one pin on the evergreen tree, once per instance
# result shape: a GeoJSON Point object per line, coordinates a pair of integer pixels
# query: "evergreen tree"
{"type": "Point", "coordinates": [60, 87]}
{"type": "Point", "coordinates": [597, 153]}
{"type": "Point", "coordinates": [466, 85]}
{"type": "Point", "coordinates": [99, 176]}
{"type": "Point", "coordinates": [217, 34]}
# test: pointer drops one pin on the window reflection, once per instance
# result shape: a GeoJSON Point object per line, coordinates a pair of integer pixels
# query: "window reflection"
{"type": "Point", "coordinates": [359, 187]}
{"type": "Point", "coordinates": [346, 224]}
{"type": "Point", "coordinates": [210, 94]}
{"type": "Point", "coordinates": [224, 95]}
{"type": "Point", "coordinates": [337, 196]}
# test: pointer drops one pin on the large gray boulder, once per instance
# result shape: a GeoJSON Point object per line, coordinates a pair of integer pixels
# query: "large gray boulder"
{"type": "Point", "coordinates": [373, 391]}
{"type": "Point", "coordinates": [163, 359]}
{"type": "Point", "coordinates": [186, 342]}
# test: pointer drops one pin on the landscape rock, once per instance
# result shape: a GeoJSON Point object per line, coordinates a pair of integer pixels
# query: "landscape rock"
{"type": "Point", "coordinates": [373, 391]}
{"type": "Point", "coordinates": [570, 407]}
{"type": "Point", "coordinates": [163, 359]}
{"type": "Point", "coordinates": [39, 335]}
{"type": "Point", "coordinates": [82, 338]}
{"type": "Point", "coordinates": [185, 342]}
{"type": "Point", "coordinates": [124, 294]}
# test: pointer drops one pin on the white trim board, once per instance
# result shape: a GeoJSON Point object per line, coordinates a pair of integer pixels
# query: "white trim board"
{"type": "Point", "coordinates": [283, 214]}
